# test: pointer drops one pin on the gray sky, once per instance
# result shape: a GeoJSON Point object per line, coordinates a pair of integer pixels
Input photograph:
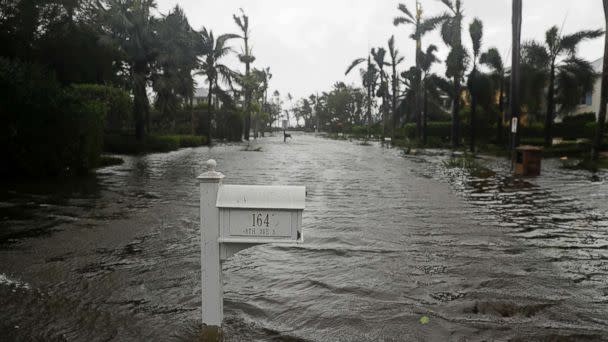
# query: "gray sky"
{"type": "Point", "coordinates": [309, 44]}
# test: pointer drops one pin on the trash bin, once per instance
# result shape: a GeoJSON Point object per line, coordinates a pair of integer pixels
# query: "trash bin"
{"type": "Point", "coordinates": [527, 161]}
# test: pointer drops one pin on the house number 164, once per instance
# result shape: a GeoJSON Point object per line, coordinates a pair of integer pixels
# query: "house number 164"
{"type": "Point", "coordinates": [259, 220]}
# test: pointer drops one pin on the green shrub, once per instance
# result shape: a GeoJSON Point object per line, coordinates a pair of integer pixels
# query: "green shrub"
{"type": "Point", "coordinates": [584, 117]}
{"type": "Point", "coordinates": [46, 129]}
{"type": "Point", "coordinates": [118, 103]}
{"type": "Point", "coordinates": [127, 144]}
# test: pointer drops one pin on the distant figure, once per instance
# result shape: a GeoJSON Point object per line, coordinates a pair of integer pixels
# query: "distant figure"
{"type": "Point", "coordinates": [285, 136]}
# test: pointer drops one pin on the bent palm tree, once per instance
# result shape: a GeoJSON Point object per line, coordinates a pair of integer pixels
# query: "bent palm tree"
{"type": "Point", "coordinates": [211, 66]}
{"type": "Point", "coordinates": [457, 60]}
{"type": "Point", "coordinates": [430, 83]}
{"type": "Point", "coordinates": [396, 59]}
{"type": "Point", "coordinates": [246, 58]}
{"type": "Point", "coordinates": [492, 60]}
{"type": "Point", "coordinates": [569, 75]}
{"type": "Point", "coordinates": [422, 26]}
{"type": "Point", "coordinates": [476, 32]}
{"type": "Point", "coordinates": [378, 56]}
{"type": "Point", "coordinates": [369, 77]}
{"type": "Point", "coordinates": [130, 26]}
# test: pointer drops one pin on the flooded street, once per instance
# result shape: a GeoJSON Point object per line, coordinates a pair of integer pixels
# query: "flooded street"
{"type": "Point", "coordinates": [389, 239]}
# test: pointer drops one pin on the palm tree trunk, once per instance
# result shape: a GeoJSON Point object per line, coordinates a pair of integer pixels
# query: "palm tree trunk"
{"type": "Point", "coordinates": [473, 113]}
{"type": "Point", "coordinates": [456, 114]}
{"type": "Point", "coordinates": [247, 91]}
{"type": "Point", "coordinates": [418, 93]}
{"type": "Point", "coordinates": [601, 121]}
{"type": "Point", "coordinates": [140, 102]}
{"type": "Point", "coordinates": [394, 99]}
{"type": "Point", "coordinates": [425, 118]}
{"type": "Point", "coordinates": [500, 115]}
{"type": "Point", "coordinates": [550, 107]}
{"type": "Point", "coordinates": [209, 111]}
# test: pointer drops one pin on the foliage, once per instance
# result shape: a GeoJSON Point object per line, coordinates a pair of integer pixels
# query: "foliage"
{"type": "Point", "coordinates": [127, 144]}
{"type": "Point", "coordinates": [117, 102]}
{"type": "Point", "coordinates": [46, 129]}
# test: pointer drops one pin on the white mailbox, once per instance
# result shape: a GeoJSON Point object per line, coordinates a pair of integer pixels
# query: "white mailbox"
{"type": "Point", "coordinates": [260, 214]}
{"type": "Point", "coordinates": [236, 217]}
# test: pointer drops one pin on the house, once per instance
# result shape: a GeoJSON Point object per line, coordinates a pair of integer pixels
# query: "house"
{"type": "Point", "coordinates": [591, 101]}
{"type": "Point", "coordinates": [200, 96]}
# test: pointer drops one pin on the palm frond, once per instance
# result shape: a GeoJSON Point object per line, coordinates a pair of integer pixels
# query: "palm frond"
{"type": "Point", "coordinates": [354, 64]}
{"type": "Point", "coordinates": [492, 59]}
{"type": "Point", "coordinates": [401, 20]}
{"type": "Point", "coordinates": [570, 42]}
{"type": "Point", "coordinates": [403, 8]}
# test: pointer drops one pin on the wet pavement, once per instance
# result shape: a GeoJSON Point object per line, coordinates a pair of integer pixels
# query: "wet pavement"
{"type": "Point", "coordinates": [390, 240]}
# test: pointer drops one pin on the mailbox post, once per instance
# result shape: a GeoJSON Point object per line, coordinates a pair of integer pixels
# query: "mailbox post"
{"type": "Point", "coordinates": [236, 217]}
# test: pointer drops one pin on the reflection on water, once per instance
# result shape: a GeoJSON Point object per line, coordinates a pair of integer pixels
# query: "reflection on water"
{"type": "Point", "coordinates": [389, 239]}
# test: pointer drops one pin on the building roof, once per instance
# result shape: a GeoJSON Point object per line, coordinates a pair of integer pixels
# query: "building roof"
{"type": "Point", "coordinates": [201, 92]}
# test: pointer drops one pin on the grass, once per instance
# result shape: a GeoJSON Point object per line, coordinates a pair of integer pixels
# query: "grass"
{"type": "Point", "coordinates": [470, 164]}
{"type": "Point", "coordinates": [127, 144]}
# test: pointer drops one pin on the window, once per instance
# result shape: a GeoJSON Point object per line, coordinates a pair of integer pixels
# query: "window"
{"type": "Point", "coordinates": [587, 99]}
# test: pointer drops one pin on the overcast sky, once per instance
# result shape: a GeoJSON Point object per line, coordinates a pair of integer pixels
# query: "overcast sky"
{"type": "Point", "coordinates": [309, 44]}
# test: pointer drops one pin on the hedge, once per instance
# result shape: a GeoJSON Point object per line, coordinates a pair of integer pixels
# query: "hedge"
{"type": "Point", "coordinates": [46, 129]}
{"type": "Point", "coordinates": [118, 103]}
{"type": "Point", "coordinates": [127, 144]}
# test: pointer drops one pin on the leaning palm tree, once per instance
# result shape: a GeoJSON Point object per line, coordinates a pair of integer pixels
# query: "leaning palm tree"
{"type": "Point", "coordinates": [130, 27]}
{"type": "Point", "coordinates": [493, 60]}
{"type": "Point", "coordinates": [246, 58]}
{"type": "Point", "coordinates": [569, 75]}
{"type": "Point", "coordinates": [378, 55]}
{"type": "Point", "coordinates": [457, 60]}
{"type": "Point", "coordinates": [422, 26]}
{"type": "Point", "coordinates": [430, 84]}
{"type": "Point", "coordinates": [476, 32]}
{"type": "Point", "coordinates": [211, 66]}
{"type": "Point", "coordinates": [369, 78]}
{"type": "Point", "coordinates": [396, 59]}
{"type": "Point", "coordinates": [601, 123]}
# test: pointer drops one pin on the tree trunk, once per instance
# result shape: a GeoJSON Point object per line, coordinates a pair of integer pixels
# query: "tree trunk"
{"type": "Point", "coordinates": [425, 114]}
{"type": "Point", "coordinates": [140, 102]}
{"type": "Point", "coordinates": [515, 69]}
{"type": "Point", "coordinates": [473, 112]}
{"type": "Point", "coordinates": [500, 115]}
{"type": "Point", "coordinates": [247, 91]}
{"type": "Point", "coordinates": [395, 80]}
{"type": "Point", "coordinates": [601, 123]}
{"type": "Point", "coordinates": [209, 111]}
{"type": "Point", "coordinates": [456, 114]}
{"type": "Point", "coordinates": [418, 93]}
{"type": "Point", "coordinates": [550, 107]}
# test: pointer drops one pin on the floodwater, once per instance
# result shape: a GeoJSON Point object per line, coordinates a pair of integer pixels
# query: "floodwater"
{"type": "Point", "coordinates": [397, 248]}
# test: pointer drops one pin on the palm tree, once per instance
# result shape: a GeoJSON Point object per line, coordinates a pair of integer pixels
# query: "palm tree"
{"type": "Point", "coordinates": [396, 59]}
{"type": "Point", "coordinates": [369, 78]}
{"type": "Point", "coordinates": [492, 60]}
{"type": "Point", "coordinates": [131, 28]}
{"type": "Point", "coordinates": [601, 123]}
{"type": "Point", "coordinates": [246, 58]}
{"type": "Point", "coordinates": [430, 84]}
{"type": "Point", "coordinates": [476, 32]}
{"type": "Point", "coordinates": [457, 60]}
{"type": "Point", "coordinates": [378, 56]}
{"type": "Point", "coordinates": [422, 26]}
{"type": "Point", "coordinates": [211, 66]}
{"type": "Point", "coordinates": [180, 47]}
{"type": "Point", "coordinates": [569, 75]}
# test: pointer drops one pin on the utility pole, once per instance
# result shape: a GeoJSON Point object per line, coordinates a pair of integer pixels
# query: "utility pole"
{"type": "Point", "coordinates": [515, 74]}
